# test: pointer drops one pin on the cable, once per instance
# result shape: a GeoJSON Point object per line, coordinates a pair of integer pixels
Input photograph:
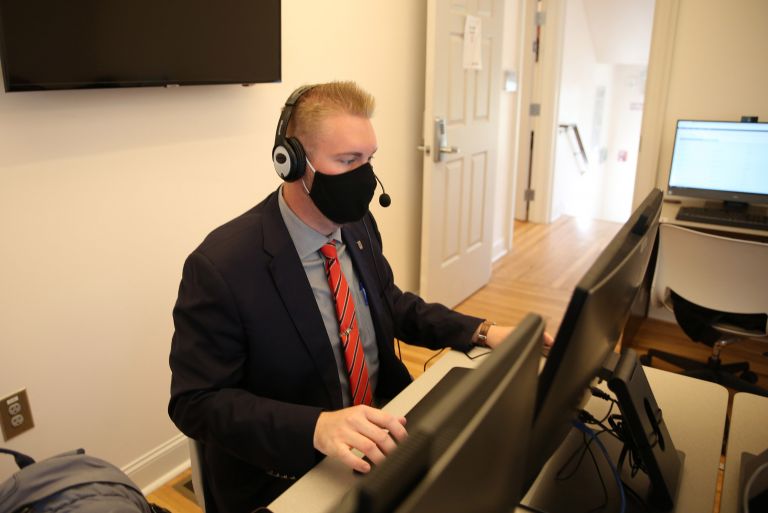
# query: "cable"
{"type": "Point", "coordinates": [630, 448]}
{"type": "Point", "coordinates": [607, 415]}
{"type": "Point", "coordinates": [579, 455]}
{"type": "Point", "coordinates": [599, 393]}
{"type": "Point", "coordinates": [596, 392]}
{"type": "Point", "coordinates": [587, 418]}
{"type": "Point", "coordinates": [584, 429]}
{"type": "Point", "coordinates": [581, 452]}
{"type": "Point", "coordinates": [433, 357]}
{"type": "Point", "coordinates": [475, 357]}
{"type": "Point", "coordinates": [602, 482]}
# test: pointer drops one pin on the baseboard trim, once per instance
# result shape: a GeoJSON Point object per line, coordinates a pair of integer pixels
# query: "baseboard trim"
{"type": "Point", "coordinates": [155, 468]}
{"type": "Point", "coordinates": [498, 250]}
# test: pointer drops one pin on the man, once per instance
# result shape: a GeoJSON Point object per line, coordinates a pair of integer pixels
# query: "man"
{"type": "Point", "coordinates": [277, 306]}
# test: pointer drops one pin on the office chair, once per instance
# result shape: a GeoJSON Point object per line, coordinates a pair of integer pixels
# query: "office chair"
{"type": "Point", "coordinates": [717, 287]}
{"type": "Point", "coordinates": [198, 481]}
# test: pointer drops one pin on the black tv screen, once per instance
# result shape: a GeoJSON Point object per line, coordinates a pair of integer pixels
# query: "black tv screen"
{"type": "Point", "coordinates": [73, 44]}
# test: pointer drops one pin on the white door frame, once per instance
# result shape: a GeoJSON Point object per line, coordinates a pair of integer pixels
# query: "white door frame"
{"type": "Point", "coordinates": [518, 181]}
{"type": "Point", "coordinates": [665, 17]}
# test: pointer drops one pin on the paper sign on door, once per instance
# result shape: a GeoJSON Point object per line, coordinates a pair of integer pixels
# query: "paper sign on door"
{"type": "Point", "coordinates": [472, 43]}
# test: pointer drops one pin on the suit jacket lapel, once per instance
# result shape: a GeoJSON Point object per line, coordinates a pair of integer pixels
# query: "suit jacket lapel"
{"type": "Point", "coordinates": [296, 294]}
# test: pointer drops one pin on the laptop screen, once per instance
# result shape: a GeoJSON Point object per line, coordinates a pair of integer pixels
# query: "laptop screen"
{"type": "Point", "coordinates": [720, 160]}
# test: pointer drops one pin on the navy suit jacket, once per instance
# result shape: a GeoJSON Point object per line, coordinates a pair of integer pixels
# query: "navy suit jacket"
{"type": "Point", "coordinates": [252, 364]}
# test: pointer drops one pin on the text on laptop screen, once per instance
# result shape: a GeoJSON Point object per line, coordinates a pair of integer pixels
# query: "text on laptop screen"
{"type": "Point", "coordinates": [720, 160]}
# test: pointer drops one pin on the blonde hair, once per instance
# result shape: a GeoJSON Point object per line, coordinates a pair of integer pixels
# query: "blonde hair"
{"type": "Point", "coordinates": [323, 100]}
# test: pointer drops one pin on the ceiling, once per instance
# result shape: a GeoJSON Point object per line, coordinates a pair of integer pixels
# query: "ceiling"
{"type": "Point", "coordinates": [620, 29]}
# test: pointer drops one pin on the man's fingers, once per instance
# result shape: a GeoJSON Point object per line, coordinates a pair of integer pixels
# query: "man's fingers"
{"type": "Point", "coordinates": [379, 438]}
{"type": "Point", "coordinates": [351, 460]}
{"type": "Point", "coordinates": [394, 425]}
{"type": "Point", "coordinates": [372, 432]}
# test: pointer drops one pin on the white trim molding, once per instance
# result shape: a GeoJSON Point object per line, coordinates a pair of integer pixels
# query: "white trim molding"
{"type": "Point", "coordinates": [155, 468]}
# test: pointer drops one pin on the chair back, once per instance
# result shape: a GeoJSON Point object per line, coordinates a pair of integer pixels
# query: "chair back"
{"type": "Point", "coordinates": [720, 273]}
{"type": "Point", "coordinates": [195, 458]}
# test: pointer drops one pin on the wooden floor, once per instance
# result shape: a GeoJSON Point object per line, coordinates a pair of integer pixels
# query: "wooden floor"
{"type": "Point", "coordinates": [538, 275]}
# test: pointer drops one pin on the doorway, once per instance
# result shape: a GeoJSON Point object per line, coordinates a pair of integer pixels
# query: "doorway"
{"type": "Point", "coordinates": [606, 44]}
{"type": "Point", "coordinates": [588, 90]}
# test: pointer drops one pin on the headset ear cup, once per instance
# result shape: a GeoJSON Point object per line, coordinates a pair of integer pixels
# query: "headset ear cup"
{"type": "Point", "coordinates": [288, 155]}
{"type": "Point", "coordinates": [298, 160]}
{"type": "Point", "coordinates": [289, 159]}
{"type": "Point", "coordinates": [282, 159]}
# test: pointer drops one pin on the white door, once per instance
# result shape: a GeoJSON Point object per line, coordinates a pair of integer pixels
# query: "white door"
{"type": "Point", "coordinates": [460, 137]}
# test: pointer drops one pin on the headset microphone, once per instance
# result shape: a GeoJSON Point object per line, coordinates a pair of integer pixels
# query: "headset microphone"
{"type": "Point", "coordinates": [384, 199]}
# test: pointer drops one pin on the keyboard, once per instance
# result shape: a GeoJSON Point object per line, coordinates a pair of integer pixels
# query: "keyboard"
{"type": "Point", "coordinates": [737, 218]}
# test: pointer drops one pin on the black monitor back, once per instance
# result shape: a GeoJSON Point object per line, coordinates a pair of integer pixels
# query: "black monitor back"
{"type": "Point", "coordinates": [590, 329]}
{"type": "Point", "coordinates": [470, 446]}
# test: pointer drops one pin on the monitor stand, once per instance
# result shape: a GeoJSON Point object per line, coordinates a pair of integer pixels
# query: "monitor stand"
{"type": "Point", "coordinates": [645, 425]}
{"type": "Point", "coordinates": [574, 476]}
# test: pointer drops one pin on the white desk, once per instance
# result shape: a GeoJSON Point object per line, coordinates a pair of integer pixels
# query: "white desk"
{"type": "Point", "coordinates": [748, 433]}
{"type": "Point", "coordinates": [694, 411]}
{"type": "Point", "coordinates": [325, 485]}
{"type": "Point", "coordinates": [669, 215]}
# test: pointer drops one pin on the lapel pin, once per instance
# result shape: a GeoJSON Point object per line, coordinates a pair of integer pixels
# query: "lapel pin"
{"type": "Point", "coordinates": [359, 244]}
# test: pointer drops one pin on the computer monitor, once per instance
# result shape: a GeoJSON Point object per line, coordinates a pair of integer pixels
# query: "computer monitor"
{"type": "Point", "coordinates": [470, 445]}
{"type": "Point", "coordinates": [592, 325]}
{"type": "Point", "coordinates": [720, 160]}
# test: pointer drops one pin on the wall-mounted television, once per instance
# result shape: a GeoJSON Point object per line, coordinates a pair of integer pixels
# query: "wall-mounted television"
{"type": "Point", "coordinates": [75, 44]}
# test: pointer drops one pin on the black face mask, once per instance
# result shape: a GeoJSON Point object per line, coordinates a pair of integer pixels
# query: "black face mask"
{"type": "Point", "coordinates": [343, 198]}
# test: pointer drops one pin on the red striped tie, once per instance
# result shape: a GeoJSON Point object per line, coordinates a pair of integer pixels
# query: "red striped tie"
{"type": "Point", "coordinates": [349, 332]}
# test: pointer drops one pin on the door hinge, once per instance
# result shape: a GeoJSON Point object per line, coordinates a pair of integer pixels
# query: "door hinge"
{"type": "Point", "coordinates": [541, 18]}
{"type": "Point", "coordinates": [529, 195]}
{"type": "Point", "coordinates": [534, 109]}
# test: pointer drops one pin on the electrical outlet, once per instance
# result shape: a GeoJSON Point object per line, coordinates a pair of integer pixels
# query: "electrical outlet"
{"type": "Point", "coordinates": [15, 415]}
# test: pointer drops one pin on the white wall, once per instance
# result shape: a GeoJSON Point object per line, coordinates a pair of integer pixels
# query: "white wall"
{"type": "Point", "coordinates": [719, 67]}
{"type": "Point", "coordinates": [104, 192]}
{"type": "Point", "coordinates": [623, 138]}
{"type": "Point", "coordinates": [575, 193]}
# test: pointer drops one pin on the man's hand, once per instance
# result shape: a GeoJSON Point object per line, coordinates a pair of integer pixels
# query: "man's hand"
{"type": "Point", "coordinates": [496, 334]}
{"type": "Point", "coordinates": [370, 431]}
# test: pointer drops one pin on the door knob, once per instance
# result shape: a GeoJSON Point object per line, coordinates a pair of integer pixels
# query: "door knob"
{"type": "Point", "coordinates": [441, 141]}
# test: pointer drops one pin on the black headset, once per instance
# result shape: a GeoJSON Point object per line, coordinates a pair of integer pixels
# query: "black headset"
{"type": "Point", "coordinates": [288, 155]}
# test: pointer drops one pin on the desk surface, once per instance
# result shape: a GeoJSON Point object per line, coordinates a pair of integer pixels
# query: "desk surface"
{"type": "Point", "coordinates": [747, 433]}
{"type": "Point", "coordinates": [694, 411]}
{"type": "Point", "coordinates": [323, 487]}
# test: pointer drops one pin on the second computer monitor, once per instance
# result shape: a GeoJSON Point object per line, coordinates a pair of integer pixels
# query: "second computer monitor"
{"type": "Point", "coordinates": [590, 330]}
{"type": "Point", "coordinates": [467, 452]}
